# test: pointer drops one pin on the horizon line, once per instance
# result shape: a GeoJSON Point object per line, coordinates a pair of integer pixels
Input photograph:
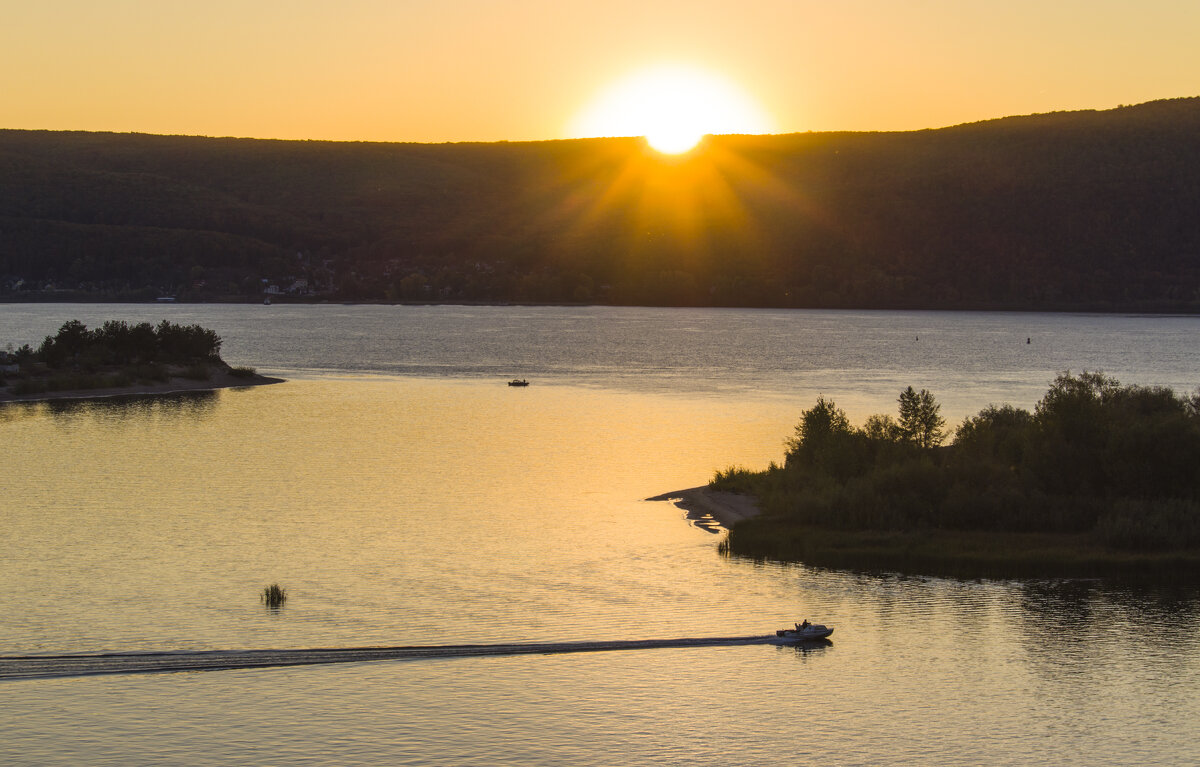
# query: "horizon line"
{"type": "Point", "coordinates": [579, 138]}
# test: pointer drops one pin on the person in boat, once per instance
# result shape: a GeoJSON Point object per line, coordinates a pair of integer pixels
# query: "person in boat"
{"type": "Point", "coordinates": [802, 626]}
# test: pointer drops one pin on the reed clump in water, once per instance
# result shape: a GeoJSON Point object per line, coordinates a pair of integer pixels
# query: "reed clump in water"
{"type": "Point", "coordinates": [274, 596]}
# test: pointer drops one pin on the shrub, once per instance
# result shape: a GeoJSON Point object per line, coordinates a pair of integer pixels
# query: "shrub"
{"type": "Point", "coordinates": [1141, 525]}
{"type": "Point", "coordinates": [197, 371]}
{"type": "Point", "coordinates": [29, 386]}
{"type": "Point", "coordinates": [177, 343]}
{"type": "Point", "coordinates": [242, 372]}
{"type": "Point", "coordinates": [997, 432]}
{"type": "Point", "coordinates": [150, 372]}
{"type": "Point", "coordinates": [735, 479]}
{"type": "Point", "coordinates": [274, 596]}
{"type": "Point", "coordinates": [882, 428]}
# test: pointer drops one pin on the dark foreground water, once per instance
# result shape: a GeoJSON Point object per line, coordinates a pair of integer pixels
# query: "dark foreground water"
{"type": "Point", "coordinates": [406, 497]}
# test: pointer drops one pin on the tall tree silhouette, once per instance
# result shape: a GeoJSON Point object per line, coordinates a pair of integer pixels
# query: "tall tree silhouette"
{"type": "Point", "coordinates": [920, 418]}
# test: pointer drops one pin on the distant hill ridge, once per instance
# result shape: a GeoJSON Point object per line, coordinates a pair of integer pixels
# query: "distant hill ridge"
{"type": "Point", "coordinates": [1092, 210]}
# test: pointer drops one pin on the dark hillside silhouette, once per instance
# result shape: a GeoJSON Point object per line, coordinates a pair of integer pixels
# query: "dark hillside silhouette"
{"type": "Point", "coordinates": [1077, 210]}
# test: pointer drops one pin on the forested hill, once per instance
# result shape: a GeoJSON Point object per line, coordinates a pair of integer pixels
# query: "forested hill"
{"type": "Point", "coordinates": [1073, 210]}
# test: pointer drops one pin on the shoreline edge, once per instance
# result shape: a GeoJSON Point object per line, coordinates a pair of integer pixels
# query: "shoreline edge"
{"type": "Point", "coordinates": [712, 510]}
{"type": "Point", "coordinates": [174, 386]}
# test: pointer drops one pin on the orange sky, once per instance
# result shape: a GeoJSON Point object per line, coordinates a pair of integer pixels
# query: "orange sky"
{"type": "Point", "coordinates": [420, 70]}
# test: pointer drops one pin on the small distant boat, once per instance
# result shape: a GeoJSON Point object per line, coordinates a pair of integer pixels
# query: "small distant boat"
{"type": "Point", "coordinates": [804, 632]}
{"type": "Point", "coordinates": [518, 382]}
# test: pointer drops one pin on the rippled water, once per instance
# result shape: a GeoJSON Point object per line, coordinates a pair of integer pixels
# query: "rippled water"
{"type": "Point", "coordinates": [404, 495]}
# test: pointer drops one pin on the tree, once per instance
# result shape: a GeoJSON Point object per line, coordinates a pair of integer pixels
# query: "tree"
{"type": "Point", "coordinates": [824, 443]}
{"type": "Point", "coordinates": [882, 428]}
{"type": "Point", "coordinates": [920, 419]}
{"type": "Point", "coordinates": [180, 343]}
{"type": "Point", "coordinates": [996, 433]}
{"type": "Point", "coordinates": [72, 338]}
{"type": "Point", "coordinates": [1074, 401]}
{"type": "Point", "coordinates": [818, 425]}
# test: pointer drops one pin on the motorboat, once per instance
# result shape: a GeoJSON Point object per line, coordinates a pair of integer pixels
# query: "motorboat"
{"type": "Point", "coordinates": [518, 382]}
{"type": "Point", "coordinates": [803, 632]}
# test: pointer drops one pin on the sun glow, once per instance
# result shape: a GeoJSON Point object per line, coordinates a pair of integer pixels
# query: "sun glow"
{"type": "Point", "coordinates": [673, 107]}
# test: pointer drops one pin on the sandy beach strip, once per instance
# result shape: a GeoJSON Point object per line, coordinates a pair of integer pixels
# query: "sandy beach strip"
{"type": "Point", "coordinates": [173, 386]}
{"type": "Point", "coordinates": [710, 509]}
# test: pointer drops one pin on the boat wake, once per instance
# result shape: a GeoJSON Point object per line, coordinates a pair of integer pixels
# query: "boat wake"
{"type": "Point", "coordinates": [50, 666]}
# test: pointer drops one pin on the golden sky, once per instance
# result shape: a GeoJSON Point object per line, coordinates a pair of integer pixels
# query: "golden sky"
{"type": "Point", "coordinates": [486, 70]}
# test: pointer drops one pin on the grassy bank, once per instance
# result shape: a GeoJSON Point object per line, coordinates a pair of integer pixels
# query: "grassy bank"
{"type": "Point", "coordinates": [953, 553]}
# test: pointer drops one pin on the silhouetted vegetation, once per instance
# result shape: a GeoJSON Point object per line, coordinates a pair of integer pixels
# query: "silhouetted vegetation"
{"type": "Point", "coordinates": [118, 343]}
{"type": "Point", "coordinates": [1080, 210]}
{"type": "Point", "coordinates": [1098, 469]}
{"type": "Point", "coordinates": [115, 355]}
{"type": "Point", "coordinates": [274, 596]}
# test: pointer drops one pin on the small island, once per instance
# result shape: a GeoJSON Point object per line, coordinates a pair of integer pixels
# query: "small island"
{"type": "Point", "coordinates": [1099, 480]}
{"type": "Point", "coordinates": [119, 359]}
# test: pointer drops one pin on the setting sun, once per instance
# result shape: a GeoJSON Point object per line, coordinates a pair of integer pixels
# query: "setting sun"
{"type": "Point", "coordinates": [673, 107]}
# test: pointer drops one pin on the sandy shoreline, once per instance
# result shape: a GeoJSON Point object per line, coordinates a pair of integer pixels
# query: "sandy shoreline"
{"type": "Point", "coordinates": [710, 509]}
{"type": "Point", "coordinates": [173, 386]}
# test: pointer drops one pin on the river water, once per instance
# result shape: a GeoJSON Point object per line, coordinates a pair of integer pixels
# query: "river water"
{"type": "Point", "coordinates": [403, 495]}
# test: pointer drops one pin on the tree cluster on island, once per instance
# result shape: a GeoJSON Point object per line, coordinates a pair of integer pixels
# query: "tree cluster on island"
{"type": "Point", "coordinates": [1099, 478]}
{"type": "Point", "coordinates": [115, 355]}
{"type": "Point", "coordinates": [1077, 211]}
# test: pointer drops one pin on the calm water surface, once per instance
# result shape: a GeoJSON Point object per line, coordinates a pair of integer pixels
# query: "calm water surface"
{"type": "Point", "coordinates": [404, 495]}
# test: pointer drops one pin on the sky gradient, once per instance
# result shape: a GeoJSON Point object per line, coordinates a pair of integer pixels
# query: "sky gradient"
{"type": "Point", "coordinates": [484, 70]}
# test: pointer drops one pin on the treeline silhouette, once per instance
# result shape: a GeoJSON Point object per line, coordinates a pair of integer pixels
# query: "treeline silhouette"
{"type": "Point", "coordinates": [1076, 210]}
{"type": "Point", "coordinates": [117, 342]}
{"type": "Point", "coordinates": [1113, 465]}
{"type": "Point", "coordinates": [115, 355]}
